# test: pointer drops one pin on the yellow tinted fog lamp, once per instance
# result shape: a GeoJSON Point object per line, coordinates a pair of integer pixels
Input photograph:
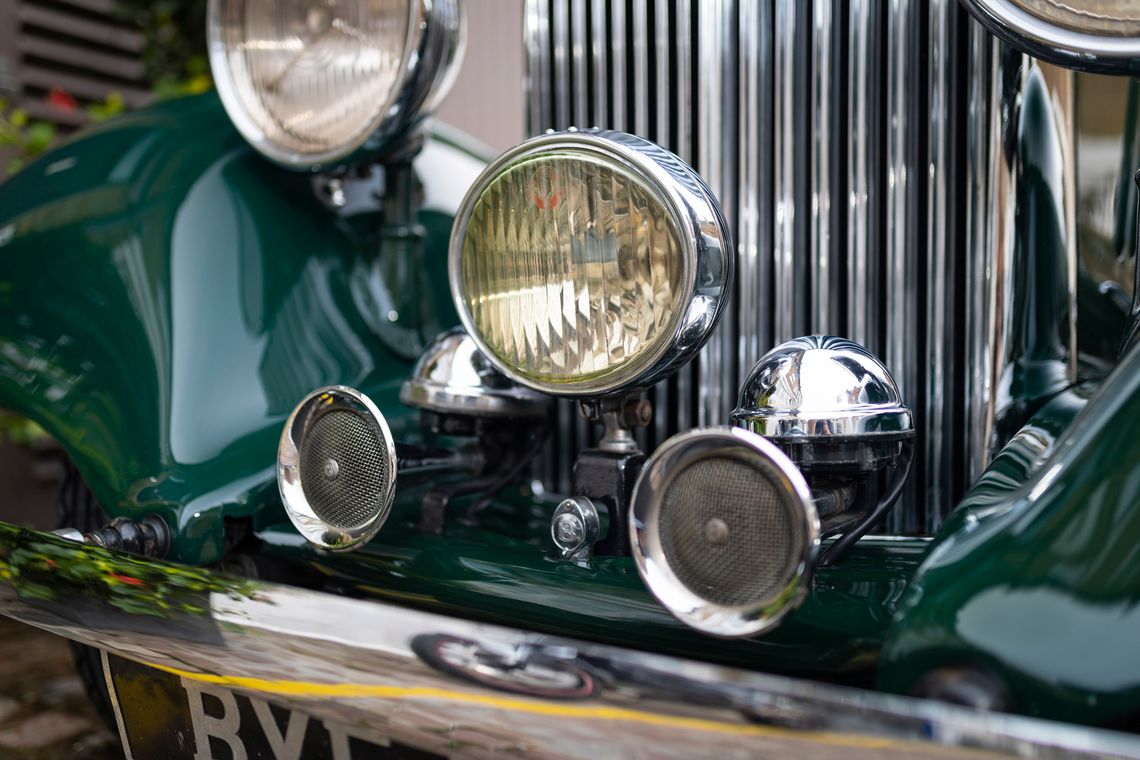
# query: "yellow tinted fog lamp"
{"type": "Point", "coordinates": [584, 263]}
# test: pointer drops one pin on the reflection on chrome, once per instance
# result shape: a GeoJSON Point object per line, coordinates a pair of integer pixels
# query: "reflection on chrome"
{"type": "Point", "coordinates": [276, 642]}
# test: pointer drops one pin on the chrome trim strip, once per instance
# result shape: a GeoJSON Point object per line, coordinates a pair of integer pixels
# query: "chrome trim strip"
{"type": "Point", "coordinates": [618, 54]}
{"type": "Point", "coordinates": [536, 31]}
{"type": "Point", "coordinates": [937, 279]}
{"type": "Point", "coordinates": [640, 86]}
{"type": "Point", "coordinates": [821, 298]}
{"type": "Point", "coordinates": [418, 676]}
{"type": "Point", "coordinates": [716, 139]}
{"type": "Point", "coordinates": [979, 277]}
{"type": "Point", "coordinates": [754, 228]}
{"type": "Point", "coordinates": [901, 247]}
{"type": "Point", "coordinates": [661, 35]}
{"type": "Point", "coordinates": [785, 247]}
{"type": "Point", "coordinates": [663, 401]}
{"type": "Point", "coordinates": [599, 59]}
{"type": "Point", "coordinates": [859, 84]}
{"type": "Point", "coordinates": [579, 35]}
{"type": "Point", "coordinates": [684, 142]}
{"type": "Point", "coordinates": [561, 23]}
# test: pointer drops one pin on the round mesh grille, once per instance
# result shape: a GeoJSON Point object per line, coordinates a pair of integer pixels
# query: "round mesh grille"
{"type": "Point", "coordinates": [344, 468]}
{"type": "Point", "coordinates": [730, 534]}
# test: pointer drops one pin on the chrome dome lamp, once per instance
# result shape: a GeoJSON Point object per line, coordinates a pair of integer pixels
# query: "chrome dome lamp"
{"type": "Point", "coordinates": [453, 378]}
{"type": "Point", "coordinates": [833, 408]}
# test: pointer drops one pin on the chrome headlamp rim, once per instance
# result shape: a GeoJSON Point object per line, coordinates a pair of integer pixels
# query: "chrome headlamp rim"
{"type": "Point", "coordinates": [696, 216]}
{"type": "Point", "coordinates": [670, 459]}
{"type": "Point", "coordinates": [300, 512]}
{"type": "Point", "coordinates": [1030, 33]}
{"type": "Point", "coordinates": [429, 62]}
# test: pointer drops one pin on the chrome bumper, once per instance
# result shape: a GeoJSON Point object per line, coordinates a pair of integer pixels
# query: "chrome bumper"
{"type": "Point", "coordinates": [463, 688]}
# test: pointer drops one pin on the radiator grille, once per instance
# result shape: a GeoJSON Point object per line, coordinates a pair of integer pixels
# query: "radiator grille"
{"type": "Point", "coordinates": [831, 132]}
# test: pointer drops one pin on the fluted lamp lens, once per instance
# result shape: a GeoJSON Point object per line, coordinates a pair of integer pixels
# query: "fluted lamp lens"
{"type": "Point", "coordinates": [572, 270]}
{"type": "Point", "coordinates": [310, 81]}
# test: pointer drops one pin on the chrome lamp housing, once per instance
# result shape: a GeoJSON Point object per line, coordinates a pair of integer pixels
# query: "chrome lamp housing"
{"type": "Point", "coordinates": [589, 263]}
{"type": "Point", "coordinates": [453, 377]}
{"type": "Point", "coordinates": [835, 410]}
{"type": "Point", "coordinates": [319, 85]}
{"type": "Point", "coordinates": [1092, 35]}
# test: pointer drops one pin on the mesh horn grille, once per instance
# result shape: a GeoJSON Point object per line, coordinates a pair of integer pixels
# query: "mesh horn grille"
{"type": "Point", "coordinates": [343, 467]}
{"type": "Point", "coordinates": [729, 533]}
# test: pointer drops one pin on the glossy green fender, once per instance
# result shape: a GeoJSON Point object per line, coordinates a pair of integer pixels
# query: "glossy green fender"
{"type": "Point", "coordinates": [167, 296]}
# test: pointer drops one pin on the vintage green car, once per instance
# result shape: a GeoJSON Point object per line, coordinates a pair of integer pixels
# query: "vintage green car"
{"type": "Point", "coordinates": [779, 397]}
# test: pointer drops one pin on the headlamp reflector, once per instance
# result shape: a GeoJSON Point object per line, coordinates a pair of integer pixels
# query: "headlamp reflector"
{"type": "Point", "coordinates": [308, 83]}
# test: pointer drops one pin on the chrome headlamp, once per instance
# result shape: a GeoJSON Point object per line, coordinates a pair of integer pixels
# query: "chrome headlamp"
{"type": "Point", "coordinates": [1091, 35]}
{"type": "Point", "coordinates": [585, 263]}
{"type": "Point", "coordinates": [308, 84]}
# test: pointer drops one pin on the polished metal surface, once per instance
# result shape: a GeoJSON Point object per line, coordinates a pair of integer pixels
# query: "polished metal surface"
{"type": "Point", "coordinates": [454, 377]}
{"type": "Point", "coordinates": [738, 559]}
{"type": "Point", "coordinates": [821, 387]}
{"type": "Point", "coordinates": [339, 510]}
{"type": "Point", "coordinates": [1008, 337]}
{"type": "Point", "coordinates": [467, 689]}
{"type": "Point", "coordinates": [829, 135]}
{"type": "Point", "coordinates": [716, 145]}
{"type": "Point", "coordinates": [574, 528]}
{"type": "Point", "coordinates": [429, 63]}
{"type": "Point", "coordinates": [696, 219]}
{"type": "Point", "coordinates": [1076, 34]}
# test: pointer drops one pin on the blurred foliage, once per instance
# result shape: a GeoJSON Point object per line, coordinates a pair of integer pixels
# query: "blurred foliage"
{"type": "Point", "coordinates": [52, 569]}
{"type": "Point", "coordinates": [28, 138]}
{"type": "Point", "coordinates": [175, 51]}
{"type": "Point", "coordinates": [174, 56]}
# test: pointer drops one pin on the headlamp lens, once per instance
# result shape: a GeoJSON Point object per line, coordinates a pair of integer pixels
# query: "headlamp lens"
{"type": "Point", "coordinates": [572, 268]}
{"type": "Point", "coordinates": [308, 80]}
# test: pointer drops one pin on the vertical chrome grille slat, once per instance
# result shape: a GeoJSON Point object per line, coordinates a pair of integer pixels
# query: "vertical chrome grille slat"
{"type": "Point", "coordinates": [618, 56]}
{"type": "Point", "coordinates": [788, 245]}
{"type": "Point", "coordinates": [560, 22]}
{"type": "Point", "coordinates": [821, 297]}
{"type": "Point", "coordinates": [937, 282]}
{"type": "Point", "coordinates": [862, 173]}
{"type": "Point", "coordinates": [580, 61]}
{"type": "Point", "coordinates": [537, 32]}
{"type": "Point", "coordinates": [599, 61]}
{"type": "Point", "coordinates": [684, 148]}
{"type": "Point", "coordinates": [902, 253]}
{"type": "Point", "coordinates": [825, 129]}
{"type": "Point", "coordinates": [640, 89]}
{"type": "Point", "coordinates": [663, 396]}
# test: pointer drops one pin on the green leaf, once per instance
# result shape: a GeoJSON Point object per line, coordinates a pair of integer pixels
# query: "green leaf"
{"type": "Point", "coordinates": [19, 118]}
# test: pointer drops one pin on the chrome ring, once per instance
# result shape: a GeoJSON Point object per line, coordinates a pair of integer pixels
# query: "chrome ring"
{"type": "Point", "coordinates": [670, 459]}
{"type": "Point", "coordinates": [315, 530]}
